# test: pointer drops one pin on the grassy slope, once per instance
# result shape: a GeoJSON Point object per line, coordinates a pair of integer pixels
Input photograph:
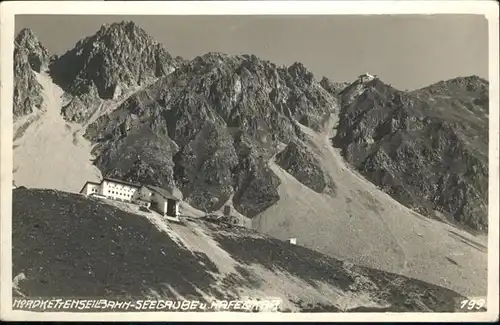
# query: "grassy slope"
{"type": "Point", "coordinates": [70, 246]}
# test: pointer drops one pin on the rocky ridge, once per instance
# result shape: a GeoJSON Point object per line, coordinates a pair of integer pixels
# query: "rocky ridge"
{"type": "Point", "coordinates": [427, 148]}
{"type": "Point", "coordinates": [300, 162]}
{"type": "Point", "coordinates": [209, 126]}
{"type": "Point", "coordinates": [108, 65]}
{"type": "Point", "coordinates": [30, 57]}
{"type": "Point", "coordinates": [227, 115]}
{"type": "Point", "coordinates": [333, 88]}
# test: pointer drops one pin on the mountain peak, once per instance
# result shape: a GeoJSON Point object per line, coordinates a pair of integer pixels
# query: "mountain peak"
{"type": "Point", "coordinates": [28, 45]}
{"type": "Point", "coordinates": [29, 56]}
{"type": "Point", "coordinates": [27, 38]}
{"type": "Point", "coordinates": [117, 57]}
{"type": "Point", "coordinates": [366, 77]}
{"type": "Point", "coordinates": [458, 86]}
{"type": "Point", "coordinates": [121, 24]}
{"type": "Point", "coordinates": [297, 68]}
{"type": "Point", "coordinates": [26, 34]}
{"type": "Point", "coordinates": [365, 83]}
{"type": "Point", "coordinates": [127, 29]}
{"type": "Point", "coordinates": [467, 80]}
{"type": "Point", "coordinates": [333, 87]}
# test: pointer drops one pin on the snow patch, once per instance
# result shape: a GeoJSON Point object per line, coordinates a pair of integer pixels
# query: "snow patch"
{"type": "Point", "coordinates": [237, 89]}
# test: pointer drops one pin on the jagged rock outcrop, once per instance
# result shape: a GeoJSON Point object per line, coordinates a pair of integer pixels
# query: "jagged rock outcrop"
{"type": "Point", "coordinates": [29, 56]}
{"type": "Point", "coordinates": [107, 65]}
{"type": "Point", "coordinates": [227, 115]}
{"type": "Point", "coordinates": [300, 162]}
{"type": "Point", "coordinates": [333, 88]}
{"type": "Point", "coordinates": [427, 148]}
{"type": "Point", "coordinates": [257, 185]}
{"type": "Point", "coordinates": [473, 91]}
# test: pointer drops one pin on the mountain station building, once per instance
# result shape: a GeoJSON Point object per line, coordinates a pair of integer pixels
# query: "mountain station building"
{"type": "Point", "coordinates": [148, 196]}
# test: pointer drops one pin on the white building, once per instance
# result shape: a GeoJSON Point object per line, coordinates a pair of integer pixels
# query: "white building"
{"type": "Point", "coordinates": [366, 77]}
{"type": "Point", "coordinates": [164, 201]}
{"type": "Point", "coordinates": [112, 189]}
{"type": "Point", "coordinates": [157, 198]}
{"type": "Point", "coordinates": [91, 188]}
{"type": "Point", "coordinates": [293, 241]}
{"type": "Point", "coordinates": [143, 197]}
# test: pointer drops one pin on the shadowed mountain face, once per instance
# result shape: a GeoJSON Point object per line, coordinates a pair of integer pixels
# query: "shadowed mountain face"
{"type": "Point", "coordinates": [29, 56]}
{"type": "Point", "coordinates": [298, 161]}
{"type": "Point", "coordinates": [66, 245]}
{"type": "Point", "coordinates": [220, 118]}
{"type": "Point", "coordinates": [333, 87]}
{"type": "Point", "coordinates": [427, 148]}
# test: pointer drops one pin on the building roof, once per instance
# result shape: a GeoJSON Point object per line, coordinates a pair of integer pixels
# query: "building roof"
{"type": "Point", "coordinates": [161, 191]}
{"type": "Point", "coordinates": [88, 182]}
{"type": "Point", "coordinates": [111, 180]}
{"type": "Point", "coordinates": [121, 182]}
{"type": "Point", "coordinates": [166, 194]}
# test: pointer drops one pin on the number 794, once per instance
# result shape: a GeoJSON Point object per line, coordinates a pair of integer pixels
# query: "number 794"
{"type": "Point", "coordinates": [471, 304]}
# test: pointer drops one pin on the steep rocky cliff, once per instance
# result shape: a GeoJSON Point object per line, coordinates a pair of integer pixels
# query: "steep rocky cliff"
{"type": "Point", "coordinates": [107, 65]}
{"type": "Point", "coordinates": [226, 115]}
{"type": "Point", "coordinates": [300, 162]}
{"type": "Point", "coordinates": [333, 87]}
{"type": "Point", "coordinates": [427, 148]}
{"type": "Point", "coordinates": [30, 56]}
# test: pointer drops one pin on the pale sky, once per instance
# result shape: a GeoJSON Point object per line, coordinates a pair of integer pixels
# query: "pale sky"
{"type": "Point", "coordinates": [407, 51]}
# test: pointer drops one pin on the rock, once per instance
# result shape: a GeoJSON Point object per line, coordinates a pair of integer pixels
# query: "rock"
{"type": "Point", "coordinates": [208, 126]}
{"type": "Point", "coordinates": [427, 148]}
{"type": "Point", "coordinates": [117, 59]}
{"type": "Point", "coordinates": [333, 88]}
{"type": "Point", "coordinates": [38, 56]}
{"type": "Point", "coordinates": [300, 162]}
{"type": "Point", "coordinates": [30, 57]}
{"type": "Point", "coordinates": [226, 114]}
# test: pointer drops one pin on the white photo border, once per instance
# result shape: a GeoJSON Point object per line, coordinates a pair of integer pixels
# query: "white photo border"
{"type": "Point", "coordinates": [11, 8]}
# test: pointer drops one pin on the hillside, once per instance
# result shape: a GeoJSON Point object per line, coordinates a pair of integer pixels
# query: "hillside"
{"type": "Point", "coordinates": [66, 245]}
{"type": "Point", "coordinates": [241, 131]}
{"type": "Point", "coordinates": [356, 221]}
{"type": "Point", "coordinates": [428, 148]}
